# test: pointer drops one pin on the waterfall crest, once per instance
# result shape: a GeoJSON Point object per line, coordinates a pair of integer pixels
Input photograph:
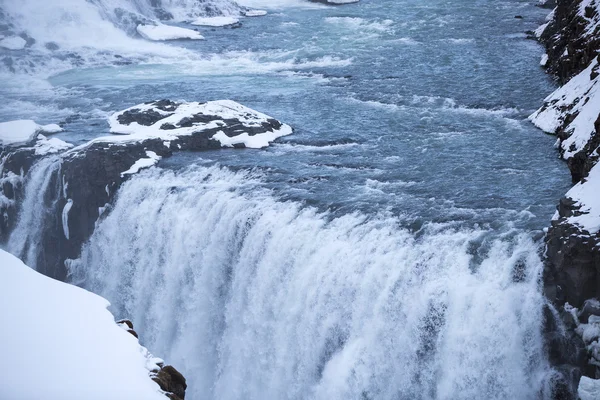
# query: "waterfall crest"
{"type": "Point", "coordinates": [256, 298]}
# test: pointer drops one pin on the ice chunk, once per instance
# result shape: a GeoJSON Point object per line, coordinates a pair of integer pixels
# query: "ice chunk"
{"type": "Point", "coordinates": [215, 21]}
{"type": "Point", "coordinates": [167, 32]}
{"type": "Point", "coordinates": [255, 13]}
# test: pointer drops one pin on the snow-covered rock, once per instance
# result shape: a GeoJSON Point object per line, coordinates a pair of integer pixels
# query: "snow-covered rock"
{"type": "Point", "coordinates": [59, 341]}
{"type": "Point", "coordinates": [574, 109]}
{"type": "Point", "coordinates": [24, 131]}
{"type": "Point", "coordinates": [82, 180]}
{"type": "Point", "coordinates": [166, 32]}
{"type": "Point", "coordinates": [19, 132]}
{"type": "Point", "coordinates": [589, 389]}
{"type": "Point", "coordinates": [224, 121]}
{"type": "Point", "coordinates": [44, 146]}
{"type": "Point", "coordinates": [571, 36]}
{"type": "Point", "coordinates": [215, 21]}
{"type": "Point", "coordinates": [586, 195]}
{"type": "Point", "coordinates": [13, 43]}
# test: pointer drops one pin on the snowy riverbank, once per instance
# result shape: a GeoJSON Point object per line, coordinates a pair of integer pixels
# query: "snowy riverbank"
{"type": "Point", "coordinates": [571, 36]}
{"type": "Point", "coordinates": [60, 342]}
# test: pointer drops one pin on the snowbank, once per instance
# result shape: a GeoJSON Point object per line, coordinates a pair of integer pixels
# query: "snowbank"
{"type": "Point", "coordinates": [579, 97]}
{"type": "Point", "coordinates": [19, 132]}
{"type": "Point", "coordinates": [60, 342]}
{"type": "Point", "coordinates": [586, 195]}
{"type": "Point", "coordinates": [167, 32]}
{"type": "Point", "coordinates": [215, 21]}
{"type": "Point", "coordinates": [230, 123]}
{"type": "Point", "coordinates": [23, 131]}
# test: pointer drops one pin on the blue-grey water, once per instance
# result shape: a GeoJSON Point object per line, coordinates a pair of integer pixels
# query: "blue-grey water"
{"type": "Point", "coordinates": [388, 249]}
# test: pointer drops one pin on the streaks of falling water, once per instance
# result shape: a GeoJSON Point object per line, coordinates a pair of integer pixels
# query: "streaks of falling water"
{"type": "Point", "coordinates": [260, 299]}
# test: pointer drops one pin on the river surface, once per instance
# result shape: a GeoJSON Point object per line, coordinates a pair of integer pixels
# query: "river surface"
{"type": "Point", "coordinates": [388, 249]}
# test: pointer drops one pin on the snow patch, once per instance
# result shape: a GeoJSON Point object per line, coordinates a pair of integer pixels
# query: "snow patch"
{"type": "Point", "coordinates": [152, 159]}
{"type": "Point", "coordinates": [254, 142]}
{"type": "Point", "coordinates": [19, 132]}
{"type": "Point", "coordinates": [586, 194]}
{"type": "Point", "coordinates": [581, 96]}
{"type": "Point", "coordinates": [224, 109]}
{"type": "Point", "coordinates": [44, 146]}
{"type": "Point", "coordinates": [59, 341]}
{"type": "Point", "coordinates": [167, 32]}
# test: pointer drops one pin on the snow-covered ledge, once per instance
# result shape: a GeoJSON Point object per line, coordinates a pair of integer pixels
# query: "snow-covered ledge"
{"type": "Point", "coordinates": [59, 341]}
{"type": "Point", "coordinates": [225, 121]}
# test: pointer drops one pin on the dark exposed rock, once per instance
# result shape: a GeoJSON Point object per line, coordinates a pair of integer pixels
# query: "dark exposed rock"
{"type": "Point", "coordinates": [171, 381]}
{"type": "Point", "coordinates": [572, 263]}
{"type": "Point", "coordinates": [569, 50]}
{"type": "Point", "coordinates": [92, 174]}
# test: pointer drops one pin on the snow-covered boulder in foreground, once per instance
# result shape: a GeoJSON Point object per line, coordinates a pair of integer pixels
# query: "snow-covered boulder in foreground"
{"type": "Point", "coordinates": [166, 32]}
{"type": "Point", "coordinates": [21, 132]}
{"type": "Point", "coordinates": [224, 121]}
{"type": "Point", "coordinates": [59, 341]}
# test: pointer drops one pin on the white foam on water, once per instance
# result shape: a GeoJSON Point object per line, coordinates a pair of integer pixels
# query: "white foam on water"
{"type": "Point", "coordinates": [255, 298]}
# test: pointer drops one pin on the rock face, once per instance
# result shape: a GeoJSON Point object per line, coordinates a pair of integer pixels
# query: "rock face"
{"type": "Point", "coordinates": [85, 179]}
{"type": "Point", "coordinates": [171, 381]}
{"type": "Point", "coordinates": [572, 272]}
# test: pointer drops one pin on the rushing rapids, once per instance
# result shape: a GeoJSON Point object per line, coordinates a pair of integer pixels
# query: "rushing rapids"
{"type": "Point", "coordinates": [257, 298]}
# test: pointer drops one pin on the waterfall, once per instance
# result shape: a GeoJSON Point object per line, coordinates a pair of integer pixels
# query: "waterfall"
{"type": "Point", "coordinates": [37, 213]}
{"type": "Point", "coordinates": [255, 298]}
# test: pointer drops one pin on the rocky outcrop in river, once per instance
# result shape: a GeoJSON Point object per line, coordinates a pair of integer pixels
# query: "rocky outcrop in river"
{"type": "Point", "coordinates": [571, 36]}
{"type": "Point", "coordinates": [78, 184]}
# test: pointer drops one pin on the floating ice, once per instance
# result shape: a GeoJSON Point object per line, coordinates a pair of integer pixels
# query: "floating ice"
{"type": "Point", "coordinates": [215, 21]}
{"type": "Point", "coordinates": [167, 32]}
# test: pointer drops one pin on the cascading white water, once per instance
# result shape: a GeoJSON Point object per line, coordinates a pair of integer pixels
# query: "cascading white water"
{"type": "Point", "coordinates": [253, 298]}
{"type": "Point", "coordinates": [25, 241]}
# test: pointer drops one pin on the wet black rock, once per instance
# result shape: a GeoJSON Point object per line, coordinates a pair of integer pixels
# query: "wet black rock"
{"type": "Point", "coordinates": [572, 264]}
{"type": "Point", "coordinates": [89, 176]}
